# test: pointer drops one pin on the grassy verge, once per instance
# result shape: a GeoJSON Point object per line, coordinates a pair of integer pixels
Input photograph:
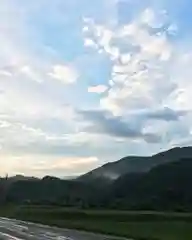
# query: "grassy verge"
{"type": "Point", "coordinates": [137, 225]}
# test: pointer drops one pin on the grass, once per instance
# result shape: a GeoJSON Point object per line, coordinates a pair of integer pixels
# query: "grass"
{"type": "Point", "coordinates": [137, 225]}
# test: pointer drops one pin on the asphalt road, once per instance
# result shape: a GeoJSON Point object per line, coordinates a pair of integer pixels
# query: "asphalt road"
{"type": "Point", "coordinates": [18, 230]}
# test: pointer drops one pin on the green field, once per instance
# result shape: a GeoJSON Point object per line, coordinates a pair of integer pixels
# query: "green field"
{"type": "Point", "coordinates": [137, 225]}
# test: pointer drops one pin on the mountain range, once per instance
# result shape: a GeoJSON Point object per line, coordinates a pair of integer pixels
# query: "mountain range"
{"type": "Point", "coordinates": [135, 164]}
{"type": "Point", "coordinates": [158, 182]}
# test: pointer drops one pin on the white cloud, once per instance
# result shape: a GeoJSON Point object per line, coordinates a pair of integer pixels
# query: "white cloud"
{"type": "Point", "coordinates": [90, 43]}
{"type": "Point", "coordinates": [138, 77]}
{"type": "Point", "coordinates": [30, 73]}
{"type": "Point", "coordinates": [85, 29]}
{"type": "Point", "coordinates": [150, 70]}
{"type": "Point", "coordinates": [66, 74]}
{"type": "Point", "coordinates": [72, 139]}
{"type": "Point", "coordinates": [45, 165]}
{"type": "Point", "coordinates": [97, 89]}
{"type": "Point", "coordinates": [25, 69]}
{"type": "Point", "coordinates": [101, 39]}
{"type": "Point", "coordinates": [5, 73]}
{"type": "Point", "coordinates": [24, 58]}
{"type": "Point", "coordinates": [152, 18]}
{"type": "Point", "coordinates": [148, 17]}
{"type": "Point", "coordinates": [67, 163]}
{"type": "Point", "coordinates": [36, 120]}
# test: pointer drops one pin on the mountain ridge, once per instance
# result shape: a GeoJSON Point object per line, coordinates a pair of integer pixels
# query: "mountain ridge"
{"type": "Point", "coordinates": [135, 164]}
{"type": "Point", "coordinates": [164, 184]}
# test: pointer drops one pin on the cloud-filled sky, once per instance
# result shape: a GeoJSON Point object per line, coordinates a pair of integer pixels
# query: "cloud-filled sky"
{"type": "Point", "coordinates": [86, 82]}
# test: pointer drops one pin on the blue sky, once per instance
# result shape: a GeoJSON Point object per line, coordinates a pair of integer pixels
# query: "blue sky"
{"type": "Point", "coordinates": [87, 82]}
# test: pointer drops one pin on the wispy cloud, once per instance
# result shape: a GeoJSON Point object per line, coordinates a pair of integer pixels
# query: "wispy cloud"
{"type": "Point", "coordinates": [66, 74]}
{"type": "Point", "coordinates": [60, 166]}
{"type": "Point", "coordinates": [97, 89]}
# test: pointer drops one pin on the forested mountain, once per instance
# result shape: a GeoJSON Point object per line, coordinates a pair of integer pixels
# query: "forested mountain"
{"type": "Point", "coordinates": [164, 184]}
{"type": "Point", "coordinates": [135, 164]}
{"type": "Point", "coordinates": [165, 187]}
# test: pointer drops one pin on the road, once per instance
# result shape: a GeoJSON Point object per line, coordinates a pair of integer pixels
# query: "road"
{"type": "Point", "coordinates": [11, 229]}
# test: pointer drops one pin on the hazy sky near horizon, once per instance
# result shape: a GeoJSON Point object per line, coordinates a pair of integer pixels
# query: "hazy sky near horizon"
{"type": "Point", "coordinates": [86, 82]}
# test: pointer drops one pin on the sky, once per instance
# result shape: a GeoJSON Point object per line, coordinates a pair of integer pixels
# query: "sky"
{"type": "Point", "coordinates": [86, 82]}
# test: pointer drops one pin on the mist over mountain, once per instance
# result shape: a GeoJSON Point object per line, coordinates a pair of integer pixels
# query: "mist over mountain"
{"type": "Point", "coordinates": [135, 164]}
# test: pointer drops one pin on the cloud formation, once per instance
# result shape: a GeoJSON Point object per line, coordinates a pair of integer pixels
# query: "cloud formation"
{"type": "Point", "coordinates": [97, 89]}
{"type": "Point", "coordinates": [66, 74]}
{"type": "Point", "coordinates": [100, 122]}
{"type": "Point", "coordinates": [148, 82]}
{"type": "Point", "coordinates": [93, 80]}
{"type": "Point", "coordinates": [166, 114]}
{"type": "Point", "coordinates": [141, 52]}
{"type": "Point", "coordinates": [60, 166]}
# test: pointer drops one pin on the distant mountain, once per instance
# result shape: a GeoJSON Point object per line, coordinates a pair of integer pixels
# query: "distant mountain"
{"type": "Point", "coordinates": [161, 182]}
{"type": "Point", "coordinates": [20, 178]}
{"type": "Point", "coordinates": [135, 164]}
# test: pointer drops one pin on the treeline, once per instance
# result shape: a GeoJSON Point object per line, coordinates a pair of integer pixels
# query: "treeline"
{"type": "Point", "coordinates": [164, 188]}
